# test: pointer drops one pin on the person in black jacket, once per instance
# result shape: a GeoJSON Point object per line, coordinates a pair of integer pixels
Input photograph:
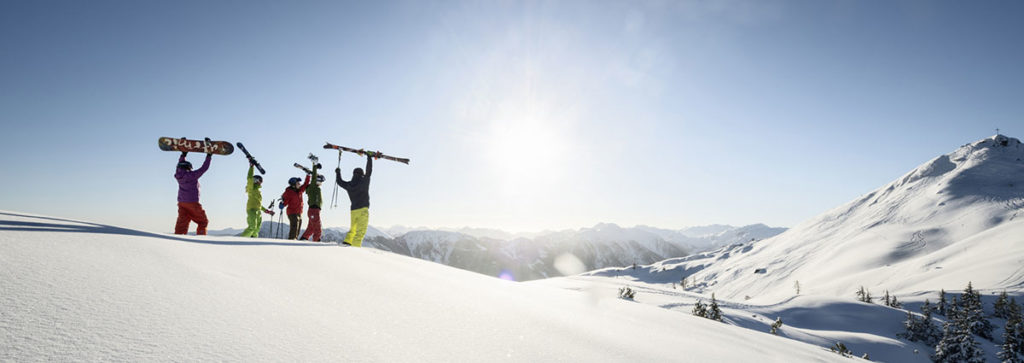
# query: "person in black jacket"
{"type": "Point", "coordinates": [359, 194]}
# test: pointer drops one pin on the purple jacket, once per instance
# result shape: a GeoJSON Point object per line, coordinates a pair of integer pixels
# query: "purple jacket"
{"type": "Point", "coordinates": [188, 181]}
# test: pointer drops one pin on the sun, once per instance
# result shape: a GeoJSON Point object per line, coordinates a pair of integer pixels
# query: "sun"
{"type": "Point", "coordinates": [523, 148]}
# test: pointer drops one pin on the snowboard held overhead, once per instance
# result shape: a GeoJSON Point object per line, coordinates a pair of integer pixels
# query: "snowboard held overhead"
{"type": "Point", "coordinates": [204, 146]}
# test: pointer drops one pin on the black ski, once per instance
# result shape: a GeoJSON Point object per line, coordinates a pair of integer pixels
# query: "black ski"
{"type": "Point", "coordinates": [305, 169]}
{"type": "Point", "coordinates": [251, 159]}
{"type": "Point", "coordinates": [369, 153]}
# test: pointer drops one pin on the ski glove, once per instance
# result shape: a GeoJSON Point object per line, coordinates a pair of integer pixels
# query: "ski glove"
{"type": "Point", "coordinates": [267, 211]}
{"type": "Point", "coordinates": [280, 206]}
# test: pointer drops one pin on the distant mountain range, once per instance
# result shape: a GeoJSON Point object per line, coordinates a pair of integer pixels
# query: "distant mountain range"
{"type": "Point", "coordinates": [530, 256]}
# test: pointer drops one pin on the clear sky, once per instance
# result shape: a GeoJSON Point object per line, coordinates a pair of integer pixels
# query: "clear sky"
{"type": "Point", "coordinates": [519, 115]}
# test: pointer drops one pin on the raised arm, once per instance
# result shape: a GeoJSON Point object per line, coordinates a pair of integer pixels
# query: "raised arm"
{"type": "Point", "coordinates": [305, 184]}
{"type": "Point", "coordinates": [179, 172]}
{"type": "Point", "coordinates": [249, 180]}
{"type": "Point", "coordinates": [206, 165]}
{"type": "Point", "coordinates": [337, 177]}
{"type": "Point", "coordinates": [369, 164]}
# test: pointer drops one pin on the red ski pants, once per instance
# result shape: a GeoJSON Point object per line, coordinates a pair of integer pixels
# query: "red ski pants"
{"type": "Point", "coordinates": [190, 212]}
{"type": "Point", "coordinates": [313, 229]}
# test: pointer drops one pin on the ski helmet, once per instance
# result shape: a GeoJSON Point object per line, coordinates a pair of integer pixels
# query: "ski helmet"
{"type": "Point", "coordinates": [258, 179]}
{"type": "Point", "coordinates": [294, 181]}
{"type": "Point", "coordinates": [185, 165]}
{"type": "Point", "coordinates": [320, 178]}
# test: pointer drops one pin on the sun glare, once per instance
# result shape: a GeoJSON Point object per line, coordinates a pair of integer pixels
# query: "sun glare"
{"type": "Point", "coordinates": [522, 148]}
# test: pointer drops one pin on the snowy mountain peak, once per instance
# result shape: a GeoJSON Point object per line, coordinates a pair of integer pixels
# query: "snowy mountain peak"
{"type": "Point", "coordinates": [607, 227]}
{"type": "Point", "coordinates": [933, 227]}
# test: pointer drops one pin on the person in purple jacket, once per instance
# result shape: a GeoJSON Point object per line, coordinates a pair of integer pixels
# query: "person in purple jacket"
{"type": "Point", "coordinates": [189, 209]}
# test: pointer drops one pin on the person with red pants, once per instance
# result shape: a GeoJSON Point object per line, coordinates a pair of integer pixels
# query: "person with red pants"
{"type": "Point", "coordinates": [292, 198]}
{"type": "Point", "coordinates": [189, 209]}
{"type": "Point", "coordinates": [313, 231]}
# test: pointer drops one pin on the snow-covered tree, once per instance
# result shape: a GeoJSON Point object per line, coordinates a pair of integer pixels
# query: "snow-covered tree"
{"type": "Point", "coordinates": [958, 344]}
{"type": "Point", "coordinates": [776, 325]}
{"type": "Point", "coordinates": [974, 314]}
{"type": "Point", "coordinates": [911, 327]}
{"type": "Point", "coordinates": [930, 332]}
{"type": "Point", "coordinates": [895, 304]}
{"type": "Point", "coordinates": [1012, 349]}
{"type": "Point", "coordinates": [700, 309]}
{"type": "Point", "coordinates": [921, 329]}
{"type": "Point", "coordinates": [942, 305]}
{"type": "Point", "coordinates": [864, 295]}
{"type": "Point", "coordinates": [626, 293]}
{"type": "Point", "coordinates": [714, 313]}
{"type": "Point", "coordinates": [927, 307]}
{"type": "Point", "coordinates": [1001, 308]}
{"type": "Point", "coordinates": [841, 349]}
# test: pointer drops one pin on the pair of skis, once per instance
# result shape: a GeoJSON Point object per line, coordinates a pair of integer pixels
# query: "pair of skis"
{"type": "Point", "coordinates": [376, 155]}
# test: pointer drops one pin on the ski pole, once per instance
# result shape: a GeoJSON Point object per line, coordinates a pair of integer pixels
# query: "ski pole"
{"type": "Point", "coordinates": [280, 222]}
{"type": "Point", "coordinates": [334, 196]}
{"type": "Point", "coordinates": [270, 207]}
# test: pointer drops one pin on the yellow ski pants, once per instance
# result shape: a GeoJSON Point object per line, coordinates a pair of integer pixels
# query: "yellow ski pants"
{"type": "Point", "coordinates": [357, 230]}
{"type": "Point", "coordinates": [253, 221]}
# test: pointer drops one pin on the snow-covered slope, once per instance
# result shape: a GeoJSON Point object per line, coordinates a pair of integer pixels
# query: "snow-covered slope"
{"type": "Point", "coordinates": [78, 291]}
{"type": "Point", "coordinates": [958, 218]}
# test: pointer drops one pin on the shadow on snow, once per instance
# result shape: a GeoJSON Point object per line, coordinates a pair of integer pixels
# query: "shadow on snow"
{"type": "Point", "coordinates": [87, 227]}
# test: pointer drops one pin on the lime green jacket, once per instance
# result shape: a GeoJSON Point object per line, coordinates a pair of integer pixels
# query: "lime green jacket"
{"type": "Point", "coordinates": [253, 189]}
{"type": "Point", "coordinates": [313, 192]}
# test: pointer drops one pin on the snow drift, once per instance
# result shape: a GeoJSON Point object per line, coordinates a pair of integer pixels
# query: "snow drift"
{"type": "Point", "coordinates": [81, 291]}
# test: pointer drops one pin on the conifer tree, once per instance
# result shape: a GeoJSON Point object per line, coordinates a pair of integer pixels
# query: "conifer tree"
{"type": "Point", "coordinates": [974, 314]}
{"type": "Point", "coordinates": [912, 328]}
{"type": "Point", "coordinates": [942, 306]}
{"type": "Point", "coordinates": [958, 344]}
{"type": "Point", "coordinates": [699, 309]}
{"type": "Point", "coordinates": [841, 349]}
{"type": "Point", "coordinates": [927, 307]}
{"type": "Point", "coordinates": [888, 300]}
{"type": "Point", "coordinates": [930, 332]}
{"type": "Point", "coordinates": [1012, 349]}
{"type": "Point", "coordinates": [1000, 308]}
{"type": "Point", "coordinates": [776, 325]}
{"type": "Point", "coordinates": [714, 313]}
{"type": "Point", "coordinates": [864, 295]}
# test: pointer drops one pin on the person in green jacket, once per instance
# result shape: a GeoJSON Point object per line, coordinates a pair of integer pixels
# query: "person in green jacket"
{"type": "Point", "coordinates": [313, 231]}
{"type": "Point", "coordinates": [254, 205]}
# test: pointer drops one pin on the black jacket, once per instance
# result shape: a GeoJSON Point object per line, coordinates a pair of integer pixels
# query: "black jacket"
{"type": "Point", "coordinates": [359, 188]}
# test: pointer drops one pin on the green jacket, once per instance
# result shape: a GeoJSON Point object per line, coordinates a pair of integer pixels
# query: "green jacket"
{"type": "Point", "coordinates": [313, 192]}
{"type": "Point", "coordinates": [255, 197]}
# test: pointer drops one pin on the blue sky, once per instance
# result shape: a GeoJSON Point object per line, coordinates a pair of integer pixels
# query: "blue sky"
{"type": "Point", "coordinates": [517, 115]}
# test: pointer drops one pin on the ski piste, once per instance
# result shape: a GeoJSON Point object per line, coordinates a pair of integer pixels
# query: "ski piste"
{"type": "Point", "coordinates": [370, 153]}
{"type": "Point", "coordinates": [305, 169]}
{"type": "Point", "coordinates": [251, 159]}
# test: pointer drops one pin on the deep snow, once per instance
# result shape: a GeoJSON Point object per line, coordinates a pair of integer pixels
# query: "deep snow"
{"type": "Point", "coordinates": [81, 291]}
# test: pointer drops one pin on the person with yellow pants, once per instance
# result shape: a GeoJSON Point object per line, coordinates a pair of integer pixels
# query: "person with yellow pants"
{"type": "Point", "coordinates": [253, 207]}
{"type": "Point", "coordinates": [359, 194]}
